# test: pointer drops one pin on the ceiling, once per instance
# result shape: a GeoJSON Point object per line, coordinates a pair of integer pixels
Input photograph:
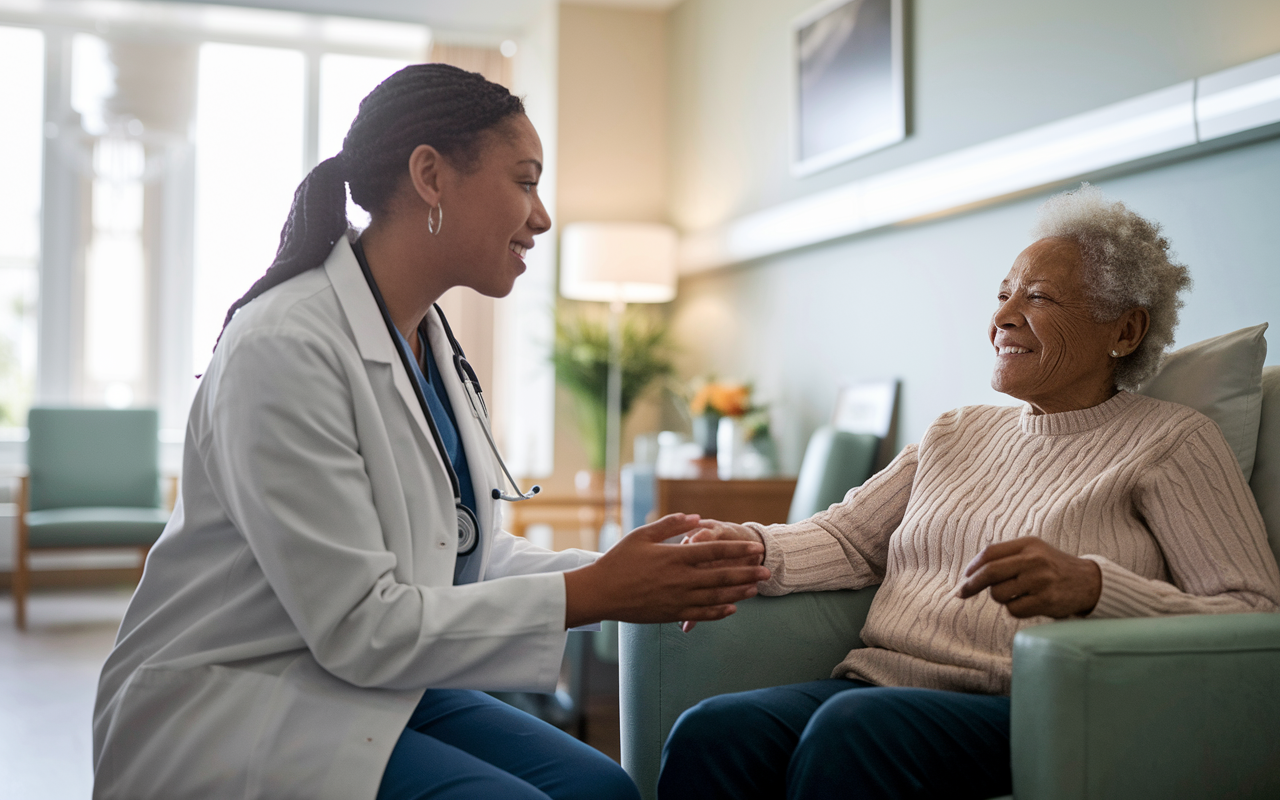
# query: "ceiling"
{"type": "Point", "coordinates": [460, 16]}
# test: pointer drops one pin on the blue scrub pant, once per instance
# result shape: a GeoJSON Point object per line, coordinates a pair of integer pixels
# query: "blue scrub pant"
{"type": "Point", "coordinates": [464, 744]}
{"type": "Point", "coordinates": [839, 738]}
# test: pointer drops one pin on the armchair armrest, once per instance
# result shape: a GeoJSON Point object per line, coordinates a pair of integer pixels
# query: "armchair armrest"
{"type": "Point", "coordinates": [1169, 707]}
{"type": "Point", "coordinates": [770, 641]}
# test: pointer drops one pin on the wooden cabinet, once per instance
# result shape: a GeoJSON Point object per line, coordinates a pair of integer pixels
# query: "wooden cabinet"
{"type": "Point", "coordinates": [766, 501]}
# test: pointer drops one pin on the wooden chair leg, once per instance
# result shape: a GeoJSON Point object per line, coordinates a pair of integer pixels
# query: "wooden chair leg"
{"type": "Point", "coordinates": [144, 551]}
{"type": "Point", "coordinates": [20, 573]}
{"type": "Point", "coordinates": [171, 495]}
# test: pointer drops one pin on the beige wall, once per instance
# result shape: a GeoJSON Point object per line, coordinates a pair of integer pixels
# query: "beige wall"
{"type": "Point", "coordinates": [976, 70]}
{"type": "Point", "coordinates": [613, 157]}
{"type": "Point", "coordinates": [613, 115]}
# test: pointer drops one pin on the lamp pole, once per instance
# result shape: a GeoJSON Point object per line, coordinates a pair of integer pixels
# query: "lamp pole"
{"type": "Point", "coordinates": [612, 530]}
{"type": "Point", "coordinates": [616, 263]}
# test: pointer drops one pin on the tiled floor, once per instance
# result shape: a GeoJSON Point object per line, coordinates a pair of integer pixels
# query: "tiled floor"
{"type": "Point", "coordinates": [48, 678]}
{"type": "Point", "coordinates": [49, 675]}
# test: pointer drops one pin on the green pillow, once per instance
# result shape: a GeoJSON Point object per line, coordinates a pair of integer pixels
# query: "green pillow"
{"type": "Point", "coordinates": [1222, 379]}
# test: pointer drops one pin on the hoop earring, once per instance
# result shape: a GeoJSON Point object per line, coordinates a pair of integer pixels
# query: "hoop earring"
{"type": "Point", "coordinates": [434, 227]}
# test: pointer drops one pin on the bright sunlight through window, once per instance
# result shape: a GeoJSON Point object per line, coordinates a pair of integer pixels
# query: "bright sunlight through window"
{"type": "Point", "coordinates": [249, 160]}
{"type": "Point", "coordinates": [22, 108]}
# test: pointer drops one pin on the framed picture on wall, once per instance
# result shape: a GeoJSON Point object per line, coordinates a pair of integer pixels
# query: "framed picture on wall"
{"type": "Point", "coordinates": [848, 83]}
{"type": "Point", "coordinates": [866, 407]}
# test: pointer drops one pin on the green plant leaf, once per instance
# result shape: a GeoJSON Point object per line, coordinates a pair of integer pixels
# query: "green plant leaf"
{"type": "Point", "coordinates": [581, 360]}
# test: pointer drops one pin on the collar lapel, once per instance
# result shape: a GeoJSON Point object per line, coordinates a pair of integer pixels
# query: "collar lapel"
{"type": "Point", "coordinates": [370, 331]}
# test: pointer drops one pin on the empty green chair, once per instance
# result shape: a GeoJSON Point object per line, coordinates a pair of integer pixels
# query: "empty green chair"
{"type": "Point", "coordinates": [93, 481]}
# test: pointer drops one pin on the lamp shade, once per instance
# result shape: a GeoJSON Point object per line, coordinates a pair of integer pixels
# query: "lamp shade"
{"type": "Point", "coordinates": [632, 262]}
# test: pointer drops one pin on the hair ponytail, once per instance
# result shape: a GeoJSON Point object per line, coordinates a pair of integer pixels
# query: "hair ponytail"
{"type": "Point", "coordinates": [436, 104]}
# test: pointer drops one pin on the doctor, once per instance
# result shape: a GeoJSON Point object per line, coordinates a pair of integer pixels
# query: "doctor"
{"type": "Point", "coordinates": [316, 618]}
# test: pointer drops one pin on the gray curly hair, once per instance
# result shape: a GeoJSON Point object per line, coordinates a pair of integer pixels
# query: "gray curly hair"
{"type": "Point", "coordinates": [1128, 264]}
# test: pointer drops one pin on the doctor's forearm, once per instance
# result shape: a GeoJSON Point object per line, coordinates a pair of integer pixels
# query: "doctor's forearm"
{"type": "Point", "coordinates": [581, 597]}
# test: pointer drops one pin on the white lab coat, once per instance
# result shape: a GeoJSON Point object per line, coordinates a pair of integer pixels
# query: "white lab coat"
{"type": "Point", "coordinates": [301, 598]}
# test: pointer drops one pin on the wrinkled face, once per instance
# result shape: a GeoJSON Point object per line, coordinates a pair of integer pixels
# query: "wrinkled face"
{"type": "Point", "coordinates": [1050, 351]}
{"type": "Point", "coordinates": [491, 214]}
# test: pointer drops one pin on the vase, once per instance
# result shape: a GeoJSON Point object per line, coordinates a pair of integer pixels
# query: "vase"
{"type": "Point", "coordinates": [705, 430]}
{"type": "Point", "coordinates": [740, 457]}
{"type": "Point", "coordinates": [731, 443]}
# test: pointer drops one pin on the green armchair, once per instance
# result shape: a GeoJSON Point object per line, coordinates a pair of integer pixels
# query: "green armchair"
{"type": "Point", "coordinates": [93, 481]}
{"type": "Point", "coordinates": [1174, 707]}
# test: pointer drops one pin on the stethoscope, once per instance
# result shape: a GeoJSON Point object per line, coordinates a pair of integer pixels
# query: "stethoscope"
{"type": "Point", "coordinates": [468, 526]}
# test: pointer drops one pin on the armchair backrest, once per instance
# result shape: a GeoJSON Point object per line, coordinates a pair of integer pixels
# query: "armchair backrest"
{"type": "Point", "coordinates": [1266, 466]}
{"type": "Point", "coordinates": [834, 462]}
{"type": "Point", "coordinates": [93, 457]}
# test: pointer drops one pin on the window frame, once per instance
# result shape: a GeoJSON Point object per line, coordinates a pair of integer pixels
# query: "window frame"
{"type": "Point", "coordinates": [60, 303]}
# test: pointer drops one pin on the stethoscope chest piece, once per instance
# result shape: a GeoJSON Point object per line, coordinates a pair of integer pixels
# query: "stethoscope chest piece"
{"type": "Point", "coordinates": [468, 530]}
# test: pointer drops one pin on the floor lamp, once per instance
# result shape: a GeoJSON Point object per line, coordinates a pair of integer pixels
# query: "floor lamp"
{"type": "Point", "coordinates": [616, 263]}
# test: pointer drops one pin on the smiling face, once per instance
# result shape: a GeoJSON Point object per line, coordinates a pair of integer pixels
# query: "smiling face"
{"type": "Point", "coordinates": [492, 212]}
{"type": "Point", "coordinates": [1051, 352]}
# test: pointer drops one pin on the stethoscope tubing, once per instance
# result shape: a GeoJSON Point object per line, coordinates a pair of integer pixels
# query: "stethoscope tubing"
{"type": "Point", "coordinates": [470, 386]}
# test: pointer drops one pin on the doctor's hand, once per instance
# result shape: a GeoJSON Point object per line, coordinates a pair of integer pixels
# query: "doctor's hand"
{"type": "Point", "coordinates": [641, 579]}
{"type": "Point", "coordinates": [712, 530]}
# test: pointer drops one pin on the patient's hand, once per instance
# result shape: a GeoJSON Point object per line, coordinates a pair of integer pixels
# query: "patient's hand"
{"type": "Point", "coordinates": [1032, 578]}
{"type": "Point", "coordinates": [711, 530]}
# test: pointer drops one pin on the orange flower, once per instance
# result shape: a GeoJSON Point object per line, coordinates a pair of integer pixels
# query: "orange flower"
{"type": "Point", "coordinates": [698, 405]}
{"type": "Point", "coordinates": [730, 400]}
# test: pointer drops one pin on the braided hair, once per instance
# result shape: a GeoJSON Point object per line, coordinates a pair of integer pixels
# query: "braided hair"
{"type": "Point", "coordinates": [434, 104]}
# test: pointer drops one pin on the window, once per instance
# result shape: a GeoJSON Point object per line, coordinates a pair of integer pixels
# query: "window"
{"type": "Point", "coordinates": [149, 153]}
{"type": "Point", "coordinates": [21, 148]}
{"type": "Point", "coordinates": [115, 285]}
{"type": "Point", "coordinates": [248, 133]}
{"type": "Point", "coordinates": [176, 135]}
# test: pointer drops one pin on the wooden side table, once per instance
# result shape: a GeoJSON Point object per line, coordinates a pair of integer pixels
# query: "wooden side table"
{"type": "Point", "coordinates": [575, 519]}
{"type": "Point", "coordinates": [766, 501]}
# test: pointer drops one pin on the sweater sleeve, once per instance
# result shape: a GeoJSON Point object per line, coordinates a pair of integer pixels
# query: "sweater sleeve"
{"type": "Point", "coordinates": [846, 546]}
{"type": "Point", "coordinates": [1202, 514]}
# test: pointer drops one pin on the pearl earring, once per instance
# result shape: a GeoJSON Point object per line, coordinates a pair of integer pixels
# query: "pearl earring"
{"type": "Point", "coordinates": [1115, 354]}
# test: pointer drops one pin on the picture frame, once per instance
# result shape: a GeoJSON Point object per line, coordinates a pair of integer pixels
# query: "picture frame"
{"type": "Point", "coordinates": [866, 407]}
{"type": "Point", "coordinates": [848, 82]}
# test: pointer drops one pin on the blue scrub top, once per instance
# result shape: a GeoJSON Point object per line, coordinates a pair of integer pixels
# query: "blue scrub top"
{"type": "Point", "coordinates": [467, 568]}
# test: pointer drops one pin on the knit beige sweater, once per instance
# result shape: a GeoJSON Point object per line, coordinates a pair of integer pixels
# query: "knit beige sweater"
{"type": "Point", "coordinates": [1147, 489]}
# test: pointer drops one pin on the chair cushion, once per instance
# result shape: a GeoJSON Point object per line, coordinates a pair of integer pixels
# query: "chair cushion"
{"type": "Point", "coordinates": [95, 527]}
{"type": "Point", "coordinates": [1222, 379]}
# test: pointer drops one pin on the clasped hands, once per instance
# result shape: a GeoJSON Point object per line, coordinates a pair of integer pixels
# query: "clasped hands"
{"type": "Point", "coordinates": [642, 579]}
{"type": "Point", "coordinates": [1028, 576]}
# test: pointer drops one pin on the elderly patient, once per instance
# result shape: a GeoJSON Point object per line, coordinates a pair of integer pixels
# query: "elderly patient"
{"type": "Point", "coordinates": [1088, 501]}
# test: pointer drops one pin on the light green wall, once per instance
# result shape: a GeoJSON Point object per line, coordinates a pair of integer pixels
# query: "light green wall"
{"type": "Point", "coordinates": [913, 302]}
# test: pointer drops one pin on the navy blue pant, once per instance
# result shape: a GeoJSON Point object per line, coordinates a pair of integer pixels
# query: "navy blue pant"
{"type": "Point", "coordinates": [839, 738]}
{"type": "Point", "coordinates": [463, 744]}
